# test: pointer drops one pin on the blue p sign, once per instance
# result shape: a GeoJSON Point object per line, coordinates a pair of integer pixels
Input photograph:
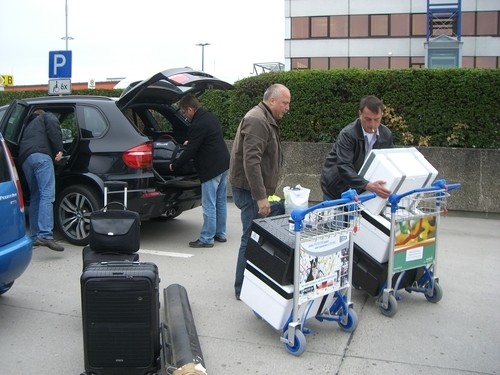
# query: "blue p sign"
{"type": "Point", "coordinates": [60, 64]}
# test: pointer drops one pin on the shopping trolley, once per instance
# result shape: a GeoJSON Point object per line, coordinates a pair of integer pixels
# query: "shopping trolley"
{"type": "Point", "coordinates": [413, 243]}
{"type": "Point", "coordinates": [322, 266]}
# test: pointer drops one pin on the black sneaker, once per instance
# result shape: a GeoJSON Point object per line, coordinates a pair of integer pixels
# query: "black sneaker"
{"type": "Point", "coordinates": [220, 239]}
{"type": "Point", "coordinates": [237, 296]}
{"type": "Point", "coordinates": [48, 242]}
{"type": "Point", "coordinates": [198, 244]}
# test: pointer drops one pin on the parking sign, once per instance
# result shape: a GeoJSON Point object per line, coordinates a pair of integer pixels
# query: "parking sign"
{"type": "Point", "coordinates": [60, 64]}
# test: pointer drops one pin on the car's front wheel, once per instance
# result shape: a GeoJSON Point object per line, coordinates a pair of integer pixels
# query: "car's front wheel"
{"type": "Point", "coordinates": [72, 213]}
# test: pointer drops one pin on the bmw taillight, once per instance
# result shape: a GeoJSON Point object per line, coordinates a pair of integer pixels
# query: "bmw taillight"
{"type": "Point", "coordinates": [139, 157]}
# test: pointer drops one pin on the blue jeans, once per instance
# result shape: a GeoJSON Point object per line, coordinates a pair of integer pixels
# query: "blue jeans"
{"type": "Point", "coordinates": [214, 203]}
{"type": "Point", "coordinates": [38, 169]}
{"type": "Point", "coordinates": [249, 211]}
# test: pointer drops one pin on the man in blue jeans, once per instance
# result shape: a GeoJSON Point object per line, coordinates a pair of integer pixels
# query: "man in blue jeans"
{"type": "Point", "coordinates": [206, 146]}
{"type": "Point", "coordinates": [40, 145]}
{"type": "Point", "coordinates": [256, 160]}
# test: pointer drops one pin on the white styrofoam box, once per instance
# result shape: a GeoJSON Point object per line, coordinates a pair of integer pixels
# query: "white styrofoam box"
{"type": "Point", "coordinates": [433, 171]}
{"type": "Point", "coordinates": [373, 236]}
{"type": "Point", "coordinates": [378, 167]}
{"type": "Point", "coordinates": [408, 170]}
{"type": "Point", "coordinates": [265, 301]}
{"type": "Point", "coordinates": [417, 170]}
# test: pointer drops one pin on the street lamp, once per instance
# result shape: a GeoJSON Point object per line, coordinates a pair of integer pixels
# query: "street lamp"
{"type": "Point", "coordinates": [66, 37]}
{"type": "Point", "coordinates": [202, 45]}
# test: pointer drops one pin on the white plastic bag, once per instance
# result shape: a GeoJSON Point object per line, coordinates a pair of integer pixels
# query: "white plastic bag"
{"type": "Point", "coordinates": [295, 197]}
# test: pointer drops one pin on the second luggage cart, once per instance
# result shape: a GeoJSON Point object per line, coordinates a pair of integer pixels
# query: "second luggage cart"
{"type": "Point", "coordinates": [413, 243]}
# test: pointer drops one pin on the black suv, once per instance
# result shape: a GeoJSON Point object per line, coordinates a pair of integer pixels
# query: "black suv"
{"type": "Point", "coordinates": [114, 139]}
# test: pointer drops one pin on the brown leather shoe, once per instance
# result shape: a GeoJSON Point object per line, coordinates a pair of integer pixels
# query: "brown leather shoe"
{"type": "Point", "coordinates": [48, 242]}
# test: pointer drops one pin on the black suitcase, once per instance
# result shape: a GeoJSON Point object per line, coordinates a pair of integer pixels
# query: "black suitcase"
{"type": "Point", "coordinates": [165, 151]}
{"type": "Point", "coordinates": [120, 314]}
{"type": "Point", "coordinates": [90, 256]}
{"type": "Point", "coordinates": [271, 248]}
{"type": "Point", "coordinates": [371, 276]}
{"type": "Point", "coordinates": [115, 229]}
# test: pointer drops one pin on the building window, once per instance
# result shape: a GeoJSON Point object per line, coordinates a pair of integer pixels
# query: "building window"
{"type": "Point", "coordinates": [379, 62]}
{"type": "Point", "coordinates": [417, 62]}
{"type": "Point", "coordinates": [300, 27]}
{"type": "Point", "coordinates": [443, 58]}
{"type": "Point", "coordinates": [339, 63]}
{"type": "Point", "coordinates": [339, 26]}
{"type": "Point", "coordinates": [468, 62]}
{"type": "Point", "coordinates": [302, 63]}
{"type": "Point", "coordinates": [319, 63]}
{"type": "Point", "coordinates": [468, 23]}
{"type": "Point", "coordinates": [358, 62]}
{"type": "Point", "coordinates": [379, 25]}
{"type": "Point", "coordinates": [401, 62]}
{"type": "Point", "coordinates": [358, 26]}
{"type": "Point", "coordinates": [418, 24]}
{"type": "Point", "coordinates": [319, 27]}
{"type": "Point", "coordinates": [486, 62]}
{"type": "Point", "coordinates": [400, 25]}
{"type": "Point", "coordinates": [487, 23]}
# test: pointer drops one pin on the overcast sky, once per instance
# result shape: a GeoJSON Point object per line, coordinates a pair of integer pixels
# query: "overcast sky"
{"type": "Point", "coordinates": [135, 39]}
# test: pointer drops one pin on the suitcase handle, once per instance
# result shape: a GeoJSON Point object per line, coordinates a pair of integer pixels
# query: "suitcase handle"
{"type": "Point", "coordinates": [119, 263]}
{"type": "Point", "coordinates": [115, 184]}
{"type": "Point", "coordinates": [118, 187]}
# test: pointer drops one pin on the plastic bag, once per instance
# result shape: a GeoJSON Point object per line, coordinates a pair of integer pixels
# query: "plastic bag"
{"type": "Point", "coordinates": [296, 197]}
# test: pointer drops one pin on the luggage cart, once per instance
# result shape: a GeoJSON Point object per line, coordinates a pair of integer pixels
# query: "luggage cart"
{"type": "Point", "coordinates": [413, 243]}
{"type": "Point", "coordinates": [322, 266]}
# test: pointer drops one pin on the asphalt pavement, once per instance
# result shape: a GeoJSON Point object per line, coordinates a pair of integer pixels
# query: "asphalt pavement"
{"type": "Point", "coordinates": [41, 322]}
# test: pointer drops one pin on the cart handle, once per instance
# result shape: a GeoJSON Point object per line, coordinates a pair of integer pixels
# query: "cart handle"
{"type": "Point", "coordinates": [436, 186]}
{"type": "Point", "coordinates": [348, 196]}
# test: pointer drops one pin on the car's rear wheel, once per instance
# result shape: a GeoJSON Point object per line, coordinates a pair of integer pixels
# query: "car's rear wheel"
{"type": "Point", "coordinates": [72, 213]}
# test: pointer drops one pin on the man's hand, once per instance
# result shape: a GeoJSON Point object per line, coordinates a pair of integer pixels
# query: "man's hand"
{"type": "Point", "coordinates": [378, 187]}
{"type": "Point", "coordinates": [264, 207]}
{"type": "Point", "coordinates": [59, 156]}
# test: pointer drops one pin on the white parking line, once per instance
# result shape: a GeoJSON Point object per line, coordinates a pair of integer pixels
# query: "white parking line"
{"type": "Point", "coordinates": [165, 253]}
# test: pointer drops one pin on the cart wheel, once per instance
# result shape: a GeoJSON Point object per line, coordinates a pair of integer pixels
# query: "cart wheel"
{"type": "Point", "coordinates": [352, 321]}
{"type": "Point", "coordinates": [392, 306]}
{"type": "Point", "coordinates": [437, 295]}
{"type": "Point", "coordinates": [299, 345]}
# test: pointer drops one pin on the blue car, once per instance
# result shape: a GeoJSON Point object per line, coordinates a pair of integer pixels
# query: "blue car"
{"type": "Point", "coordinates": [15, 245]}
